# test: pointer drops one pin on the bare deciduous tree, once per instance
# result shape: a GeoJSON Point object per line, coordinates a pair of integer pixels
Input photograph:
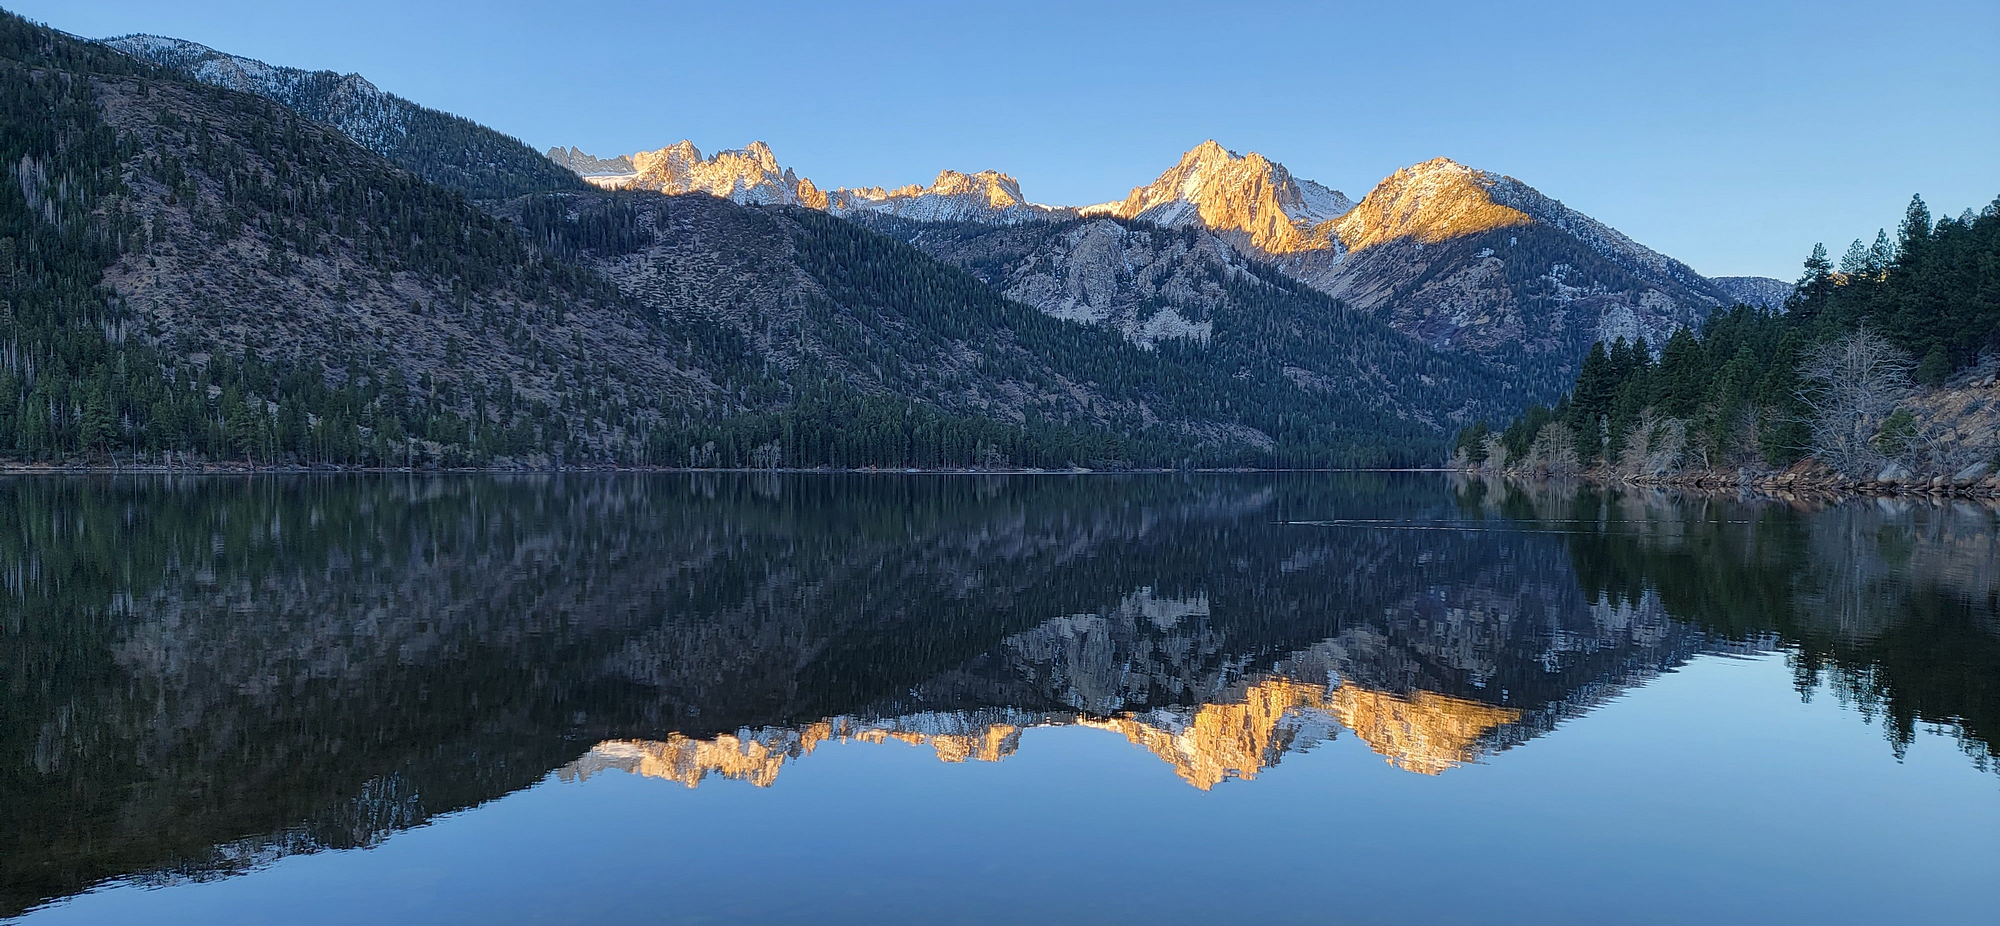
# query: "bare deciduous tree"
{"type": "Point", "coordinates": [1851, 387]}
{"type": "Point", "coordinates": [1655, 446]}
{"type": "Point", "coordinates": [1554, 451]}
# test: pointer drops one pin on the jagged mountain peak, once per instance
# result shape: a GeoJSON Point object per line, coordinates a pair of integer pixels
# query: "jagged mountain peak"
{"type": "Point", "coordinates": [757, 151]}
{"type": "Point", "coordinates": [588, 167]}
{"type": "Point", "coordinates": [1249, 197]}
{"type": "Point", "coordinates": [1441, 199]}
{"type": "Point", "coordinates": [987, 196]}
{"type": "Point", "coordinates": [1430, 202]}
{"type": "Point", "coordinates": [750, 174]}
{"type": "Point", "coordinates": [1001, 190]}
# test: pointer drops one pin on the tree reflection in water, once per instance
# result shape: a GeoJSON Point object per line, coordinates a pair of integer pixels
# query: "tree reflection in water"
{"type": "Point", "coordinates": [206, 674]}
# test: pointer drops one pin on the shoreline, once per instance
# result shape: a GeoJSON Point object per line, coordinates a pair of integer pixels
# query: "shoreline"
{"type": "Point", "coordinates": [1785, 485]}
{"type": "Point", "coordinates": [242, 469]}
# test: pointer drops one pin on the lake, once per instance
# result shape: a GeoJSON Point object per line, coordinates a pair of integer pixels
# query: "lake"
{"type": "Point", "coordinates": [1374, 698]}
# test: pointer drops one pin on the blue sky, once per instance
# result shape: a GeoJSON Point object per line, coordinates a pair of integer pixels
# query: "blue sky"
{"type": "Point", "coordinates": [1729, 135]}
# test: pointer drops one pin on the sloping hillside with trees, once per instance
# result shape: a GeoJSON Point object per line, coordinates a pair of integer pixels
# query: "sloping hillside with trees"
{"type": "Point", "coordinates": [194, 274]}
{"type": "Point", "coordinates": [1878, 370]}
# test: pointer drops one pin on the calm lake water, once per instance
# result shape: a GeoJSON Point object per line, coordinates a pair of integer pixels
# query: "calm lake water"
{"type": "Point", "coordinates": [1369, 698]}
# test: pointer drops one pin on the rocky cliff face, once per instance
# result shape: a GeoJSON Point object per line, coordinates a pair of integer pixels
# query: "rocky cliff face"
{"type": "Point", "coordinates": [1189, 288]}
{"type": "Point", "coordinates": [1148, 284]}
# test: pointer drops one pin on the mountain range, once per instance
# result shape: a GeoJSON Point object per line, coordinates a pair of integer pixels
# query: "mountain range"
{"type": "Point", "coordinates": [1461, 259]}
{"type": "Point", "coordinates": [322, 272]}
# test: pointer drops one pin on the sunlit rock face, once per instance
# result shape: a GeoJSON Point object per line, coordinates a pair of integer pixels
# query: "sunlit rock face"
{"type": "Point", "coordinates": [1431, 202]}
{"type": "Point", "coordinates": [1425, 732]}
{"type": "Point", "coordinates": [1249, 196]}
{"type": "Point", "coordinates": [753, 176]}
{"type": "Point", "coordinates": [745, 175]}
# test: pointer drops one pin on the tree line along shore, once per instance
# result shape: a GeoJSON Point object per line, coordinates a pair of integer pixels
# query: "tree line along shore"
{"type": "Point", "coordinates": [1879, 375]}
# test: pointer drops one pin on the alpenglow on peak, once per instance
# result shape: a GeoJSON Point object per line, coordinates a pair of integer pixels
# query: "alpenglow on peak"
{"type": "Point", "coordinates": [753, 175]}
{"type": "Point", "coordinates": [1248, 196]}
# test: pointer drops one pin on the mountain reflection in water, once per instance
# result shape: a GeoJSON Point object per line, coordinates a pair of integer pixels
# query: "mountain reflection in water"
{"type": "Point", "coordinates": [206, 675]}
{"type": "Point", "coordinates": [1206, 745]}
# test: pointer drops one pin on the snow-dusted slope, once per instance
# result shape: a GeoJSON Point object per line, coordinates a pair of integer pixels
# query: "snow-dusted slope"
{"type": "Point", "coordinates": [588, 167]}
{"type": "Point", "coordinates": [988, 196]}
{"type": "Point", "coordinates": [441, 147]}
{"type": "Point", "coordinates": [351, 104]}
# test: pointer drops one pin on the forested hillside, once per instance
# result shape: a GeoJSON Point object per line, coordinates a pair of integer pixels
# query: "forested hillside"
{"type": "Point", "coordinates": [1881, 367]}
{"type": "Point", "coordinates": [833, 309]}
{"type": "Point", "coordinates": [199, 272]}
{"type": "Point", "coordinates": [1188, 293]}
{"type": "Point", "coordinates": [195, 274]}
{"type": "Point", "coordinates": [448, 150]}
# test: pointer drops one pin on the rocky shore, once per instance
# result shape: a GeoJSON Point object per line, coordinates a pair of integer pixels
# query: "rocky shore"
{"type": "Point", "coordinates": [1808, 479]}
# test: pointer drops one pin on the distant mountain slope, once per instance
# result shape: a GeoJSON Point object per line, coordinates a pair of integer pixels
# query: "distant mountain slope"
{"type": "Point", "coordinates": [440, 147]}
{"type": "Point", "coordinates": [1271, 371]}
{"type": "Point", "coordinates": [198, 273]}
{"type": "Point", "coordinates": [1188, 293]}
{"type": "Point", "coordinates": [1463, 260]}
{"type": "Point", "coordinates": [1758, 291]}
{"type": "Point", "coordinates": [590, 168]}
{"type": "Point", "coordinates": [752, 176]}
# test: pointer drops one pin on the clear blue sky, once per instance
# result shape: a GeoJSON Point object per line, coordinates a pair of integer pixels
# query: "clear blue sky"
{"type": "Point", "coordinates": [1731, 135]}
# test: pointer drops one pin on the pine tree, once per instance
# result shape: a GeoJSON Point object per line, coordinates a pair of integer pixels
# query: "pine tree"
{"type": "Point", "coordinates": [1814, 289]}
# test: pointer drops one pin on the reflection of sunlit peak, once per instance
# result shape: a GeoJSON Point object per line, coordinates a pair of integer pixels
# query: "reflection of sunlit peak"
{"type": "Point", "coordinates": [1223, 741]}
{"type": "Point", "coordinates": [757, 756]}
{"type": "Point", "coordinates": [1424, 732]}
{"type": "Point", "coordinates": [754, 758]}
